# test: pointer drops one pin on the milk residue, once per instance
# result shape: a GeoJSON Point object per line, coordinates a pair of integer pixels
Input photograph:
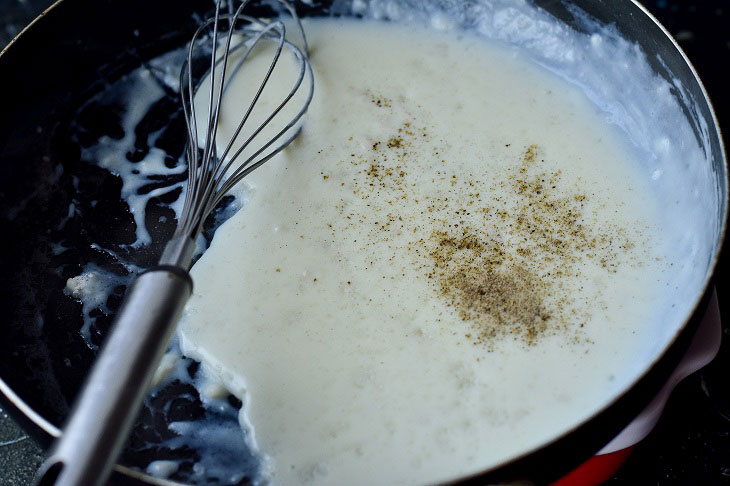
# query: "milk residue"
{"type": "Point", "coordinates": [642, 105]}
{"type": "Point", "coordinates": [152, 175]}
{"type": "Point", "coordinates": [223, 449]}
{"type": "Point", "coordinates": [203, 442]}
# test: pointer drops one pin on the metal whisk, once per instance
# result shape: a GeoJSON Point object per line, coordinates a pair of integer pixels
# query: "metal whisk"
{"type": "Point", "coordinates": [111, 398]}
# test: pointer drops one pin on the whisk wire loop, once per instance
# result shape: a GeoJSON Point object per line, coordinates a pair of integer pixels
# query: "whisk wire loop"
{"type": "Point", "coordinates": [212, 174]}
{"type": "Point", "coordinates": [277, 54]}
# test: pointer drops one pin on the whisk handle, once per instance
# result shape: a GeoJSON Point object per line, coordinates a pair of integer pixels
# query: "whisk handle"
{"type": "Point", "coordinates": [110, 400]}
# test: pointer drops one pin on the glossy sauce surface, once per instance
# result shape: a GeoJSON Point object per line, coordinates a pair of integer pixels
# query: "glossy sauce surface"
{"type": "Point", "coordinates": [447, 267]}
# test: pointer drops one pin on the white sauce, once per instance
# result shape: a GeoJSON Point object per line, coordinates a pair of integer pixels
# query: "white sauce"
{"type": "Point", "coordinates": [313, 306]}
{"type": "Point", "coordinates": [614, 74]}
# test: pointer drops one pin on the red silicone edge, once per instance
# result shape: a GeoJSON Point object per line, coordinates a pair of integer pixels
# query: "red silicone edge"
{"type": "Point", "coordinates": [595, 470]}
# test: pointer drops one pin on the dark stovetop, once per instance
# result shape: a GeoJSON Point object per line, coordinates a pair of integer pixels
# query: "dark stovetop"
{"type": "Point", "coordinates": [691, 443]}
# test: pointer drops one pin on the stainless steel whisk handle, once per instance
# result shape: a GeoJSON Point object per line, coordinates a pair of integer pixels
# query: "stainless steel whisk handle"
{"type": "Point", "coordinates": [111, 398]}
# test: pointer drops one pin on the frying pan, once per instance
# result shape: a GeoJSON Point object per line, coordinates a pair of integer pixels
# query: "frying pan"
{"type": "Point", "coordinates": [71, 53]}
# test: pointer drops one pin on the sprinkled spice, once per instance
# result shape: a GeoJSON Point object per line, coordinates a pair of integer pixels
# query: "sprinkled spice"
{"type": "Point", "coordinates": [497, 249]}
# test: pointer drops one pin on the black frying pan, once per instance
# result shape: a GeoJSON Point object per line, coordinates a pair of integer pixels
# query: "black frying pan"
{"type": "Point", "coordinates": [69, 55]}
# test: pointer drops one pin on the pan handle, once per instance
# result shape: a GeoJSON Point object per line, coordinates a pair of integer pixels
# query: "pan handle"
{"type": "Point", "coordinates": [110, 400]}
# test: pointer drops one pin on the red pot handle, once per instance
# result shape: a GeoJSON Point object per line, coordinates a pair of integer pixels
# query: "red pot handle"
{"type": "Point", "coordinates": [602, 466]}
{"type": "Point", "coordinates": [595, 470]}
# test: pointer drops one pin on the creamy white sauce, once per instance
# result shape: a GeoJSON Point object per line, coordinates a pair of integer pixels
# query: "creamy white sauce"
{"type": "Point", "coordinates": [611, 71]}
{"type": "Point", "coordinates": [314, 303]}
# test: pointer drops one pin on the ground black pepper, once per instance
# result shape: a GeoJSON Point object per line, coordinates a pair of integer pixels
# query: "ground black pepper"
{"type": "Point", "coordinates": [498, 253]}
